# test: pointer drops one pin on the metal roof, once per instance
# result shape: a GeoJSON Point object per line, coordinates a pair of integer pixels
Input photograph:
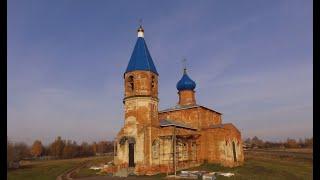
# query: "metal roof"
{"type": "Point", "coordinates": [217, 126]}
{"type": "Point", "coordinates": [141, 58]}
{"type": "Point", "coordinates": [167, 122]}
{"type": "Point", "coordinates": [224, 126]}
{"type": "Point", "coordinates": [181, 107]}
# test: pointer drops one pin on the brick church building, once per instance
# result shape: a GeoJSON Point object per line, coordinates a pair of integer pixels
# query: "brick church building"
{"type": "Point", "coordinates": [183, 136]}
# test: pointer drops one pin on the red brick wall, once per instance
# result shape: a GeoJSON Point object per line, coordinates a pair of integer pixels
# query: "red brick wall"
{"type": "Point", "coordinates": [187, 97]}
{"type": "Point", "coordinates": [197, 117]}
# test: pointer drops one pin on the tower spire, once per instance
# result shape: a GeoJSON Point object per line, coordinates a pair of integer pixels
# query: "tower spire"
{"type": "Point", "coordinates": [140, 58]}
{"type": "Point", "coordinates": [140, 29]}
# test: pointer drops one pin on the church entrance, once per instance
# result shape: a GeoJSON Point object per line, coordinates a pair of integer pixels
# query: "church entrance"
{"type": "Point", "coordinates": [234, 152]}
{"type": "Point", "coordinates": [131, 154]}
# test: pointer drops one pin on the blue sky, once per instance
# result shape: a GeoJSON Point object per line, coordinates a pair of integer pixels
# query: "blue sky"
{"type": "Point", "coordinates": [251, 60]}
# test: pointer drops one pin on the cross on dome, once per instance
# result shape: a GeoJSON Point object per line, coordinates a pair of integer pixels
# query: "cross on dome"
{"type": "Point", "coordinates": [184, 64]}
{"type": "Point", "coordinates": [185, 83]}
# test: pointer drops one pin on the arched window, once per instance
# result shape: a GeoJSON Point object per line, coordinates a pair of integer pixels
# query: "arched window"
{"type": "Point", "coordinates": [193, 150]}
{"type": "Point", "coordinates": [155, 149]}
{"type": "Point", "coordinates": [182, 150]}
{"type": "Point", "coordinates": [185, 151]}
{"type": "Point", "coordinates": [130, 83]}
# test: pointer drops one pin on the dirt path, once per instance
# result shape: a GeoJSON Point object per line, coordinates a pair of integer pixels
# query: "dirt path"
{"type": "Point", "coordinates": [68, 174]}
{"type": "Point", "coordinates": [112, 177]}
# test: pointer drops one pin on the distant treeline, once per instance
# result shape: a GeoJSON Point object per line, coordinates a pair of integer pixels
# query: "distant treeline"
{"type": "Point", "coordinates": [59, 149]}
{"type": "Point", "coordinates": [255, 142]}
{"type": "Point", "coordinates": [64, 149]}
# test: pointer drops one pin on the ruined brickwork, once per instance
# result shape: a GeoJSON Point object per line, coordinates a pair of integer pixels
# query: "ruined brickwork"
{"type": "Point", "coordinates": [150, 140]}
{"type": "Point", "coordinates": [218, 142]}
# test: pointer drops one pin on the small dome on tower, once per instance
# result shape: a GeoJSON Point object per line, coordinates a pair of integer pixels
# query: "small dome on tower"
{"type": "Point", "coordinates": [185, 82]}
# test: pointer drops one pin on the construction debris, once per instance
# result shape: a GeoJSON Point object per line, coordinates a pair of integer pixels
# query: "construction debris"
{"type": "Point", "coordinates": [95, 168]}
{"type": "Point", "coordinates": [209, 176]}
{"type": "Point", "coordinates": [205, 175]}
{"type": "Point", "coordinates": [188, 175]}
{"type": "Point", "coordinates": [226, 174]}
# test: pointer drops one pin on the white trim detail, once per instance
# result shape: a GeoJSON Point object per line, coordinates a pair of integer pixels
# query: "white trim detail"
{"type": "Point", "coordinates": [140, 34]}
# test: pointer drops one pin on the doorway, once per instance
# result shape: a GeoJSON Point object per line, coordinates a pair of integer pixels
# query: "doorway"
{"type": "Point", "coordinates": [131, 154]}
{"type": "Point", "coordinates": [234, 152]}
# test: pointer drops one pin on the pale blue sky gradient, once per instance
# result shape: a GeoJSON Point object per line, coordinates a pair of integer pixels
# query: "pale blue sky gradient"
{"type": "Point", "coordinates": [251, 60]}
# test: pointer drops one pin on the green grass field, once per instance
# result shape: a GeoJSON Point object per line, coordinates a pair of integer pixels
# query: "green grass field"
{"type": "Point", "coordinates": [48, 169]}
{"type": "Point", "coordinates": [265, 165]}
{"type": "Point", "coordinates": [259, 165]}
{"type": "Point", "coordinates": [274, 164]}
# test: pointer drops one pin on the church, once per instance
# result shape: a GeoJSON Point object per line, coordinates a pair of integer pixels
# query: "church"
{"type": "Point", "coordinates": [185, 135]}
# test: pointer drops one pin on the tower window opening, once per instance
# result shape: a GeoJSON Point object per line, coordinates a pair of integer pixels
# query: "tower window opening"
{"type": "Point", "coordinates": [152, 82]}
{"type": "Point", "coordinates": [131, 83]}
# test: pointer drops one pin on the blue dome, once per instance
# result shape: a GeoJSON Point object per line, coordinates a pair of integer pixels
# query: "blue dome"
{"type": "Point", "coordinates": [186, 83]}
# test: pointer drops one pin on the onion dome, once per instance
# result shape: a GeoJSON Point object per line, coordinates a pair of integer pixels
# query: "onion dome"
{"type": "Point", "coordinates": [185, 82]}
{"type": "Point", "coordinates": [141, 58]}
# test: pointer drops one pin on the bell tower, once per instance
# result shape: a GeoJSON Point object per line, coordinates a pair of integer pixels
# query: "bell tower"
{"type": "Point", "coordinates": [140, 108]}
{"type": "Point", "coordinates": [141, 85]}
